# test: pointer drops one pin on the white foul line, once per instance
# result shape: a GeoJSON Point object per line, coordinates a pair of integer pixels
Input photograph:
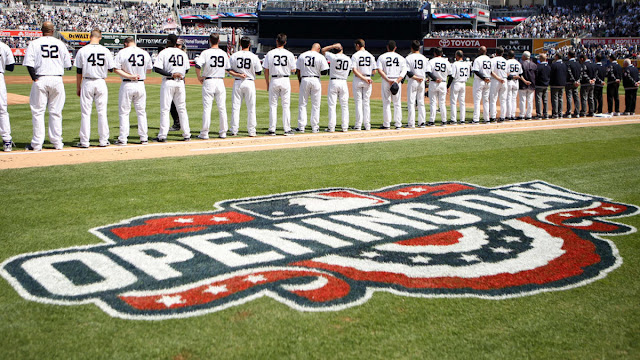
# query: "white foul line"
{"type": "Point", "coordinates": [404, 135]}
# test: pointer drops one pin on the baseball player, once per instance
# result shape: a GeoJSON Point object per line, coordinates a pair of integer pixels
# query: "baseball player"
{"type": "Point", "coordinates": [543, 79]}
{"type": "Point", "coordinates": [392, 68]}
{"type": "Point", "coordinates": [46, 59]}
{"type": "Point", "coordinates": [7, 63]}
{"type": "Point", "coordinates": [630, 81]}
{"type": "Point", "coordinates": [135, 61]}
{"type": "Point", "coordinates": [498, 86]}
{"type": "Point", "coordinates": [438, 70]}
{"type": "Point", "coordinates": [514, 70]}
{"type": "Point", "coordinates": [460, 72]}
{"type": "Point", "coordinates": [279, 63]}
{"type": "Point", "coordinates": [598, 89]}
{"type": "Point", "coordinates": [244, 67]}
{"type": "Point", "coordinates": [364, 67]}
{"type": "Point", "coordinates": [93, 63]}
{"type": "Point", "coordinates": [614, 77]}
{"type": "Point", "coordinates": [310, 66]}
{"type": "Point", "coordinates": [173, 64]}
{"type": "Point", "coordinates": [211, 67]}
{"type": "Point", "coordinates": [338, 89]}
{"type": "Point", "coordinates": [417, 65]}
{"type": "Point", "coordinates": [558, 81]}
{"type": "Point", "coordinates": [481, 69]}
{"type": "Point", "coordinates": [527, 86]}
{"type": "Point", "coordinates": [573, 81]}
{"type": "Point", "coordinates": [587, 80]}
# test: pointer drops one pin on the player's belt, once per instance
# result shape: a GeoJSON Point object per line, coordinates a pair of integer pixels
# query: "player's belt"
{"type": "Point", "coordinates": [213, 77]}
{"type": "Point", "coordinates": [88, 78]}
{"type": "Point", "coordinates": [46, 75]}
{"type": "Point", "coordinates": [129, 80]}
{"type": "Point", "coordinates": [171, 78]}
{"type": "Point", "coordinates": [338, 79]}
{"type": "Point", "coordinates": [311, 76]}
{"type": "Point", "coordinates": [243, 79]}
{"type": "Point", "coordinates": [279, 76]}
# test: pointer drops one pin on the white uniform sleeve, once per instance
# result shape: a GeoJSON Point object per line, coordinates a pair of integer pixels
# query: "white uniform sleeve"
{"type": "Point", "coordinates": [330, 56]}
{"type": "Point", "coordinates": [300, 62]}
{"type": "Point", "coordinates": [9, 57]}
{"type": "Point", "coordinates": [66, 57]}
{"type": "Point", "coordinates": [159, 61]}
{"type": "Point", "coordinates": [476, 65]}
{"type": "Point", "coordinates": [374, 66]}
{"type": "Point", "coordinates": [148, 62]}
{"type": "Point", "coordinates": [292, 62]}
{"type": "Point", "coordinates": [117, 61]}
{"type": "Point", "coordinates": [379, 63]}
{"type": "Point", "coordinates": [200, 59]}
{"type": "Point", "coordinates": [266, 62]}
{"type": "Point", "coordinates": [227, 62]}
{"type": "Point", "coordinates": [110, 61]}
{"type": "Point", "coordinates": [325, 65]}
{"type": "Point", "coordinates": [29, 56]}
{"type": "Point", "coordinates": [403, 68]}
{"type": "Point", "coordinates": [78, 62]}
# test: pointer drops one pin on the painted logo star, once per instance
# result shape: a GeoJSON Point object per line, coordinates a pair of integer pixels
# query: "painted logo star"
{"type": "Point", "coordinates": [403, 193]}
{"type": "Point", "coordinates": [418, 189]}
{"type": "Point", "coordinates": [495, 228]}
{"type": "Point", "coordinates": [215, 290]}
{"type": "Point", "coordinates": [219, 218]}
{"type": "Point", "coordinates": [501, 250]}
{"type": "Point", "coordinates": [255, 278]}
{"type": "Point", "coordinates": [511, 239]}
{"type": "Point", "coordinates": [590, 212]}
{"type": "Point", "coordinates": [469, 258]}
{"type": "Point", "coordinates": [421, 259]}
{"type": "Point", "coordinates": [169, 301]}
{"type": "Point", "coordinates": [611, 208]}
{"type": "Point", "coordinates": [566, 215]}
{"type": "Point", "coordinates": [370, 254]}
{"type": "Point", "coordinates": [183, 220]}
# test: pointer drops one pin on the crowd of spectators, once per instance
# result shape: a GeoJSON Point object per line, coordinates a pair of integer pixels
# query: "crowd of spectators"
{"type": "Point", "coordinates": [620, 51]}
{"type": "Point", "coordinates": [143, 17]}
{"type": "Point", "coordinates": [206, 30]}
{"type": "Point", "coordinates": [591, 20]}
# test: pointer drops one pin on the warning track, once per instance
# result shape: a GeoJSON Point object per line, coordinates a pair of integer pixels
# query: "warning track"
{"type": "Point", "coordinates": [68, 156]}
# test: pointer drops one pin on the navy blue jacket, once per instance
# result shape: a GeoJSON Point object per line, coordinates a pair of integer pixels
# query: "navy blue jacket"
{"type": "Point", "coordinates": [630, 77]}
{"type": "Point", "coordinates": [601, 74]}
{"type": "Point", "coordinates": [543, 75]}
{"type": "Point", "coordinates": [573, 71]}
{"type": "Point", "coordinates": [587, 73]}
{"type": "Point", "coordinates": [559, 75]}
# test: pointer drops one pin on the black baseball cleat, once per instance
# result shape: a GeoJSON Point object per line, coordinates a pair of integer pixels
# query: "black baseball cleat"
{"type": "Point", "coordinates": [431, 124]}
{"type": "Point", "coordinates": [492, 120]}
{"type": "Point", "coordinates": [157, 139]}
{"type": "Point", "coordinates": [422, 125]}
{"type": "Point", "coordinates": [120, 143]}
{"type": "Point", "coordinates": [590, 115]}
{"type": "Point", "coordinates": [501, 120]}
{"type": "Point", "coordinates": [78, 145]}
{"type": "Point", "coordinates": [385, 127]}
{"type": "Point", "coordinates": [8, 145]}
{"type": "Point", "coordinates": [270, 133]}
{"type": "Point", "coordinates": [289, 133]}
{"type": "Point", "coordinates": [299, 129]}
{"type": "Point", "coordinates": [189, 139]}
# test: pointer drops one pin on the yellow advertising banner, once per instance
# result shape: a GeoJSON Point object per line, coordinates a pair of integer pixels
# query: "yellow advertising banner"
{"type": "Point", "coordinates": [544, 45]}
{"type": "Point", "coordinates": [75, 36]}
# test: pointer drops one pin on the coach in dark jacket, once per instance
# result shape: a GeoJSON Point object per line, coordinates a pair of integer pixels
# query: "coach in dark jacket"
{"type": "Point", "coordinates": [573, 81]}
{"type": "Point", "coordinates": [598, 87]}
{"type": "Point", "coordinates": [614, 77]}
{"type": "Point", "coordinates": [558, 81]}
{"type": "Point", "coordinates": [630, 80]}
{"type": "Point", "coordinates": [527, 86]}
{"type": "Point", "coordinates": [543, 74]}
{"type": "Point", "coordinates": [587, 80]}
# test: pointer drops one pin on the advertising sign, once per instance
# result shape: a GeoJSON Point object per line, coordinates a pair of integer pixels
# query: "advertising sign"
{"type": "Point", "coordinates": [459, 43]}
{"type": "Point", "coordinates": [114, 40]}
{"type": "Point", "coordinates": [193, 42]}
{"type": "Point", "coordinates": [540, 45]}
{"type": "Point", "coordinates": [517, 45]}
{"type": "Point", "coordinates": [610, 41]}
{"type": "Point", "coordinates": [20, 33]}
{"type": "Point", "coordinates": [151, 40]}
{"type": "Point", "coordinates": [75, 38]}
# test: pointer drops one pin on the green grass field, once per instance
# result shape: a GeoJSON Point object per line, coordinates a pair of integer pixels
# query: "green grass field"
{"type": "Point", "coordinates": [54, 207]}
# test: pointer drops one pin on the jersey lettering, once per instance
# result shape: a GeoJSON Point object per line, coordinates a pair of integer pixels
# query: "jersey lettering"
{"type": "Point", "coordinates": [440, 67]}
{"type": "Point", "coordinates": [244, 63]}
{"type": "Point", "coordinates": [514, 68]}
{"type": "Point", "coordinates": [96, 59]}
{"type": "Point", "coordinates": [217, 61]}
{"type": "Point", "coordinates": [464, 72]}
{"type": "Point", "coordinates": [418, 64]}
{"type": "Point", "coordinates": [501, 65]}
{"type": "Point", "coordinates": [280, 60]}
{"type": "Point", "coordinates": [49, 51]}
{"type": "Point", "coordinates": [486, 65]}
{"type": "Point", "coordinates": [310, 61]}
{"type": "Point", "coordinates": [133, 62]}
{"type": "Point", "coordinates": [176, 60]}
{"type": "Point", "coordinates": [393, 61]}
{"type": "Point", "coordinates": [364, 61]}
{"type": "Point", "coordinates": [342, 65]}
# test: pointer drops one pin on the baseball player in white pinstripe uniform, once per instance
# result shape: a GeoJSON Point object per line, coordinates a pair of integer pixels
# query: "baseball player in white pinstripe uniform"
{"type": "Point", "coordinates": [45, 59]}
{"type": "Point", "coordinates": [135, 61]}
{"type": "Point", "coordinates": [310, 66]}
{"type": "Point", "coordinates": [417, 65]}
{"type": "Point", "coordinates": [173, 64]}
{"type": "Point", "coordinates": [93, 63]}
{"type": "Point", "coordinates": [481, 69]}
{"type": "Point", "coordinates": [460, 72]}
{"type": "Point", "coordinates": [514, 70]}
{"type": "Point", "coordinates": [338, 89]}
{"type": "Point", "coordinates": [438, 70]}
{"type": "Point", "coordinates": [244, 67]}
{"type": "Point", "coordinates": [6, 64]}
{"type": "Point", "coordinates": [279, 63]}
{"type": "Point", "coordinates": [211, 67]}
{"type": "Point", "coordinates": [364, 67]}
{"type": "Point", "coordinates": [498, 86]}
{"type": "Point", "coordinates": [392, 68]}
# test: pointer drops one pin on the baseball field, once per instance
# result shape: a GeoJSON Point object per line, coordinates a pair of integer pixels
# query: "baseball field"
{"type": "Point", "coordinates": [103, 249]}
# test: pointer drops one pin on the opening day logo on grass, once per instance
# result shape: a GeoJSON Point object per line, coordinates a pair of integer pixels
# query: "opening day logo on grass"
{"type": "Point", "coordinates": [329, 249]}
